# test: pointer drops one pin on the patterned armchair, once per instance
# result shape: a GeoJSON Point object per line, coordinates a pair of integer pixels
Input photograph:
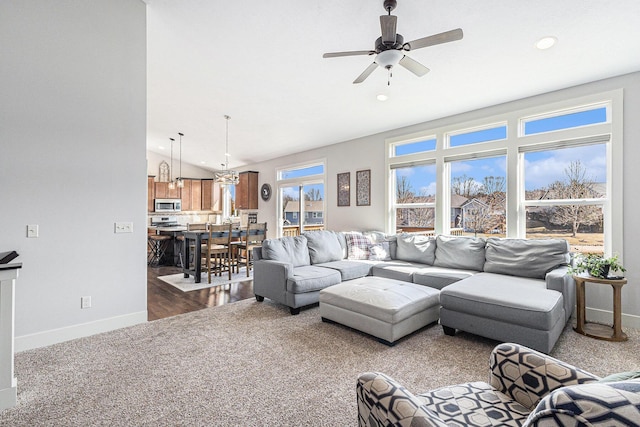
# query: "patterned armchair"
{"type": "Point", "coordinates": [527, 388]}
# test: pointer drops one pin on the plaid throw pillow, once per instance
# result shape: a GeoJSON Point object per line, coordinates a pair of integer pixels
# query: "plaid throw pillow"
{"type": "Point", "coordinates": [358, 246]}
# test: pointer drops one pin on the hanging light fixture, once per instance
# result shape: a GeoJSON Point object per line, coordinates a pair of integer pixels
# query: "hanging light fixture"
{"type": "Point", "coordinates": [179, 180]}
{"type": "Point", "coordinates": [227, 177]}
{"type": "Point", "coordinates": [172, 184]}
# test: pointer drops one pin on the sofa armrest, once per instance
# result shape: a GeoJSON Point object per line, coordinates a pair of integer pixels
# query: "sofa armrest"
{"type": "Point", "coordinates": [584, 405]}
{"type": "Point", "coordinates": [527, 376]}
{"type": "Point", "coordinates": [270, 279]}
{"type": "Point", "coordinates": [560, 280]}
{"type": "Point", "coordinates": [384, 402]}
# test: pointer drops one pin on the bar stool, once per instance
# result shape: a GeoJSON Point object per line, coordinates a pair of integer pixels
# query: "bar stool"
{"type": "Point", "coordinates": [158, 244]}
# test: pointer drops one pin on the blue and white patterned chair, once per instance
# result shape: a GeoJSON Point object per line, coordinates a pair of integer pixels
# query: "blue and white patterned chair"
{"type": "Point", "coordinates": [526, 388]}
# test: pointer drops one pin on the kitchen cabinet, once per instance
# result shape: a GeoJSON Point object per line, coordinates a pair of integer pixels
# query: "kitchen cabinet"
{"type": "Point", "coordinates": [211, 195]}
{"type": "Point", "coordinates": [163, 191]}
{"type": "Point", "coordinates": [191, 195]}
{"type": "Point", "coordinates": [247, 191]}
{"type": "Point", "coordinates": [196, 195]}
{"type": "Point", "coordinates": [151, 193]}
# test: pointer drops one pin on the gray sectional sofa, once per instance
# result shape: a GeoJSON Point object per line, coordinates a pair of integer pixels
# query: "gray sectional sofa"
{"type": "Point", "coordinates": [511, 290]}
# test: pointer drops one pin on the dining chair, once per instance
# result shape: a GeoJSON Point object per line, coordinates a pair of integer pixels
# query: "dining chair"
{"type": "Point", "coordinates": [253, 237]}
{"type": "Point", "coordinates": [217, 256]}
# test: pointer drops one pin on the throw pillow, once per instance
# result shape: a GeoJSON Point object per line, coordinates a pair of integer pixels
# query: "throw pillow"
{"type": "Point", "coordinates": [358, 246]}
{"type": "Point", "coordinates": [416, 248]}
{"type": "Point", "coordinates": [379, 252]}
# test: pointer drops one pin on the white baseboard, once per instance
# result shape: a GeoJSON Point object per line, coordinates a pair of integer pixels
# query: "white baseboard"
{"type": "Point", "coordinates": [54, 336]}
{"type": "Point", "coordinates": [606, 317]}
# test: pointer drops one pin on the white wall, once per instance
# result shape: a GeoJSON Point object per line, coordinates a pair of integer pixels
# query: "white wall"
{"type": "Point", "coordinates": [73, 161]}
{"type": "Point", "coordinates": [368, 153]}
{"type": "Point", "coordinates": [188, 170]}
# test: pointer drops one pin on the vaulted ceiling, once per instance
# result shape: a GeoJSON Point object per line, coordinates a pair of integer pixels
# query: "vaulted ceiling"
{"type": "Point", "coordinates": [261, 63]}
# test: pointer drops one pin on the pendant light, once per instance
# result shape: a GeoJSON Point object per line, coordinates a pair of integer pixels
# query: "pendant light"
{"type": "Point", "coordinates": [226, 176]}
{"type": "Point", "coordinates": [179, 180]}
{"type": "Point", "coordinates": [172, 185]}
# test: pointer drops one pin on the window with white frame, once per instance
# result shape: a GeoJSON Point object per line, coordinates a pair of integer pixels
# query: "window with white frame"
{"type": "Point", "coordinates": [301, 198]}
{"type": "Point", "coordinates": [553, 176]}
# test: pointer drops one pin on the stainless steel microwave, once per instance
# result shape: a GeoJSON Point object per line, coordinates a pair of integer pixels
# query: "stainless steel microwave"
{"type": "Point", "coordinates": [168, 205]}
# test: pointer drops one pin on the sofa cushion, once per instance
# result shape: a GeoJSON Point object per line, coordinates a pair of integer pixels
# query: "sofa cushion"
{"type": "Point", "coordinates": [312, 278]}
{"type": "Point", "coordinates": [358, 245]}
{"type": "Point", "coordinates": [396, 269]}
{"type": "Point", "coordinates": [323, 246]}
{"type": "Point", "coordinates": [349, 269]}
{"type": "Point", "coordinates": [465, 253]}
{"type": "Point", "coordinates": [287, 249]}
{"type": "Point", "coordinates": [438, 277]}
{"type": "Point", "coordinates": [416, 248]}
{"type": "Point", "coordinates": [525, 257]}
{"type": "Point", "coordinates": [380, 252]}
{"type": "Point", "coordinates": [517, 300]}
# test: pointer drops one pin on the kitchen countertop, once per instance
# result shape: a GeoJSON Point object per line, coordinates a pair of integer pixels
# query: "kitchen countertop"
{"type": "Point", "coordinates": [170, 229]}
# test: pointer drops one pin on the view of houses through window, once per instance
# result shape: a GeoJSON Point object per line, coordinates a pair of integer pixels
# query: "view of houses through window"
{"type": "Point", "coordinates": [549, 181]}
{"type": "Point", "coordinates": [304, 184]}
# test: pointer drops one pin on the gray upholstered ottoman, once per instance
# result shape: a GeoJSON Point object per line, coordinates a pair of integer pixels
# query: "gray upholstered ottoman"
{"type": "Point", "coordinates": [385, 308]}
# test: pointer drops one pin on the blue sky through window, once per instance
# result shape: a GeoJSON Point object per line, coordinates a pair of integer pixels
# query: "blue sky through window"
{"type": "Point", "coordinates": [298, 173]}
{"type": "Point", "coordinates": [415, 147]}
{"type": "Point", "coordinates": [477, 136]}
{"type": "Point", "coordinates": [566, 121]}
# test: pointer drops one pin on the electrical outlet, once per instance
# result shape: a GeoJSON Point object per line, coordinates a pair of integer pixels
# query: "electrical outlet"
{"type": "Point", "coordinates": [32, 230]}
{"type": "Point", "coordinates": [123, 227]}
{"type": "Point", "coordinates": [85, 302]}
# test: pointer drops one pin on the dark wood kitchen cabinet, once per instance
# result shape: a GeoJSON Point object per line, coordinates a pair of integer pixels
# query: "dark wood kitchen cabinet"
{"type": "Point", "coordinates": [247, 191]}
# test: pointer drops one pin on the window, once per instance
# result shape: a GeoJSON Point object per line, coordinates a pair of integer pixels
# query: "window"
{"type": "Point", "coordinates": [414, 202]}
{"type": "Point", "coordinates": [559, 176]}
{"type": "Point", "coordinates": [477, 136]}
{"type": "Point", "coordinates": [301, 196]}
{"type": "Point", "coordinates": [478, 196]}
{"type": "Point", "coordinates": [414, 147]}
{"type": "Point", "coordinates": [565, 192]}
{"type": "Point", "coordinates": [564, 120]}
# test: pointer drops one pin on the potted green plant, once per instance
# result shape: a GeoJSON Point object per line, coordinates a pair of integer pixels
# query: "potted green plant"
{"type": "Point", "coordinates": [596, 265]}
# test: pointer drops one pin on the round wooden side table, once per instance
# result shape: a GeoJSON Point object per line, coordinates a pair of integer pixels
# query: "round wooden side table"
{"type": "Point", "coordinates": [596, 330]}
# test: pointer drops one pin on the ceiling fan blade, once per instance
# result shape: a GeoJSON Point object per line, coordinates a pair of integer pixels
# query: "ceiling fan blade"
{"type": "Point", "coordinates": [388, 25]}
{"type": "Point", "coordinates": [414, 66]}
{"type": "Point", "coordinates": [366, 73]}
{"type": "Point", "coordinates": [446, 37]}
{"type": "Point", "coordinates": [351, 53]}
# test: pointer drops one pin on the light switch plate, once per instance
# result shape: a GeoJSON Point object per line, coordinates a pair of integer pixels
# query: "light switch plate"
{"type": "Point", "coordinates": [123, 227]}
{"type": "Point", "coordinates": [32, 230]}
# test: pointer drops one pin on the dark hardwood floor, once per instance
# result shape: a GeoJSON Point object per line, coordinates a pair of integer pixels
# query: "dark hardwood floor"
{"type": "Point", "coordinates": [163, 300]}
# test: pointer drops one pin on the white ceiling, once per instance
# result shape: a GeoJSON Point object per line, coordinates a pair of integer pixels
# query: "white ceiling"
{"type": "Point", "coordinates": [261, 63]}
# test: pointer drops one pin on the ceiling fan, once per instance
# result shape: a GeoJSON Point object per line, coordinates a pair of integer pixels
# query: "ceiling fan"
{"type": "Point", "coordinates": [390, 48]}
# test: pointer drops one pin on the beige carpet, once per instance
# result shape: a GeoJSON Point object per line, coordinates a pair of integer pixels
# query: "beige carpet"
{"type": "Point", "coordinates": [251, 364]}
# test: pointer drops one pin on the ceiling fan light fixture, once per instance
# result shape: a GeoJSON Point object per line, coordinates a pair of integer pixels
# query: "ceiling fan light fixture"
{"type": "Point", "coordinates": [546, 42]}
{"type": "Point", "coordinates": [389, 58]}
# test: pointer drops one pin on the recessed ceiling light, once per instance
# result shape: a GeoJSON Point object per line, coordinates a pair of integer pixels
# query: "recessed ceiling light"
{"type": "Point", "coordinates": [546, 42]}
{"type": "Point", "coordinates": [161, 147]}
{"type": "Point", "coordinates": [203, 162]}
{"type": "Point", "coordinates": [382, 97]}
